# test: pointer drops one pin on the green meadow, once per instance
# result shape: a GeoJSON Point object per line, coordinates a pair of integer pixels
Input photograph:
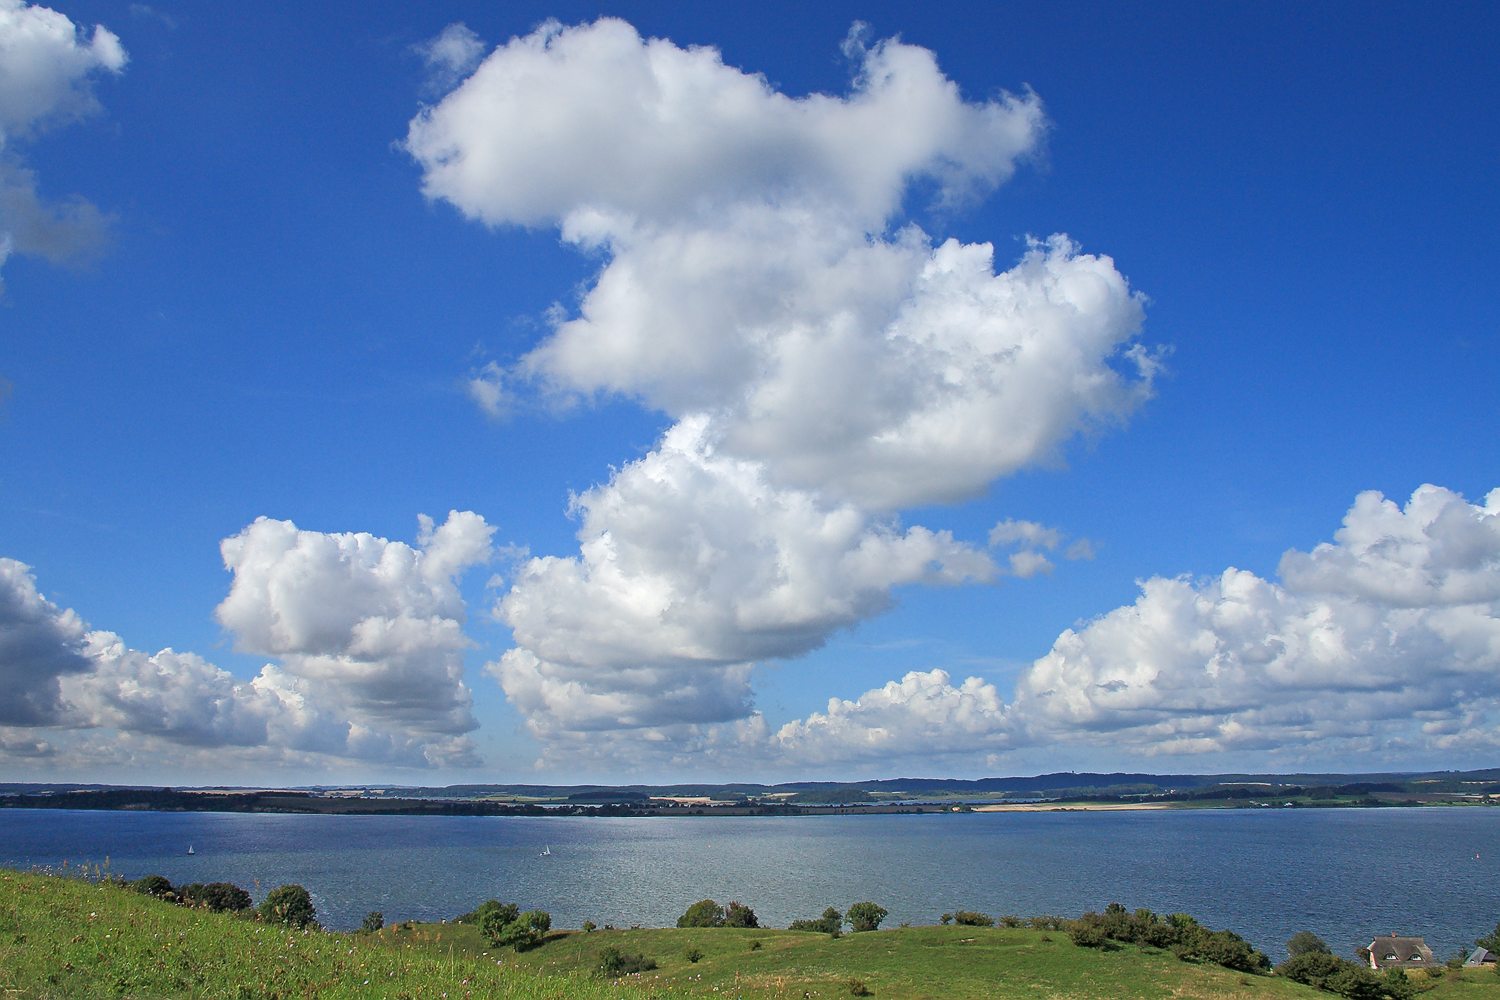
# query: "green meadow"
{"type": "Point", "coordinates": [72, 938]}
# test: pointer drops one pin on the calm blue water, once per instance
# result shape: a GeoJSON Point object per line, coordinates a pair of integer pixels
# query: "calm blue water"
{"type": "Point", "coordinates": [1344, 874]}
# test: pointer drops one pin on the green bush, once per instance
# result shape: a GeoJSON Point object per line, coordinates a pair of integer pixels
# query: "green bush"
{"type": "Point", "coordinates": [374, 920]}
{"type": "Point", "coordinates": [969, 918]}
{"type": "Point", "coordinates": [831, 923]}
{"type": "Point", "coordinates": [1187, 939]}
{"type": "Point", "coordinates": [1306, 942]}
{"type": "Point", "coordinates": [290, 905]}
{"type": "Point", "coordinates": [613, 962]}
{"type": "Point", "coordinates": [693, 954]}
{"type": "Point", "coordinates": [704, 913]}
{"type": "Point", "coordinates": [858, 988]}
{"type": "Point", "coordinates": [475, 917]}
{"type": "Point", "coordinates": [589, 927]}
{"type": "Point", "coordinates": [154, 885]}
{"type": "Point", "coordinates": [740, 915]}
{"type": "Point", "coordinates": [1087, 935]}
{"type": "Point", "coordinates": [505, 927]}
{"type": "Point", "coordinates": [220, 897]}
{"type": "Point", "coordinates": [865, 916]}
{"type": "Point", "coordinates": [946, 919]}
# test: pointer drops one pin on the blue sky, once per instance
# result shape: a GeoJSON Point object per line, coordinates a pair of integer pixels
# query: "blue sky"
{"type": "Point", "coordinates": [283, 307]}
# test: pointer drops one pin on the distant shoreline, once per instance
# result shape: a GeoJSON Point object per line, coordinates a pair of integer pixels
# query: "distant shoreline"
{"type": "Point", "coordinates": [312, 804]}
{"type": "Point", "coordinates": [1030, 807]}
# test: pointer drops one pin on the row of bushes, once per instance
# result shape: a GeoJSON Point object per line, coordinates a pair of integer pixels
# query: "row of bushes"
{"type": "Point", "coordinates": [289, 904]}
{"type": "Point", "coordinates": [1178, 932]}
{"type": "Point", "coordinates": [707, 913]}
{"type": "Point", "coordinates": [864, 916]}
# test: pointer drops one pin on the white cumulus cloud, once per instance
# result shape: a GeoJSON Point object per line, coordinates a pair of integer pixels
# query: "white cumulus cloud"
{"type": "Point", "coordinates": [47, 65]}
{"type": "Point", "coordinates": [751, 277]}
{"type": "Point", "coordinates": [368, 633]}
{"type": "Point", "coordinates": [1386, 640]}
{"type": "Point", "coordinates": [692, 567]}
{"type": "Point", "coordinates": [826, 363]}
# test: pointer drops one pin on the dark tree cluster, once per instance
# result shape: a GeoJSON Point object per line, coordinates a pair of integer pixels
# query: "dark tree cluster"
{"type": "Point", "coordinates": [614, 963]}
{"type": "Point", "coordinates": [830, 923]}
{"type": "Point", "coordinates": [861, 917]}
{"type": "Point", "coordinates": [1183, 935]}
{"type": "Point", "coordinates": [290, 905]}
{"type": "Point", "coordinates": [968, 918]}
{"type": "Point", "coordinates": [506, 925]}
{"type": "Point", "coordinates": [220, 897]}
{"type": "Point", "coordinates": [707, 913]}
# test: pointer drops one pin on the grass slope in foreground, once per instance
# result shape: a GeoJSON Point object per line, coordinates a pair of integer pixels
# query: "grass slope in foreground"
{"type": "Point", "coordinates": [68, 938]}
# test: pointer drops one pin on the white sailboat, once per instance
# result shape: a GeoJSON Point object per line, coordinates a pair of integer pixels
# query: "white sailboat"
{"type": "Point", "coordinates": [547, 852]}
{"type": "Point", "coordinates": [190, 849]}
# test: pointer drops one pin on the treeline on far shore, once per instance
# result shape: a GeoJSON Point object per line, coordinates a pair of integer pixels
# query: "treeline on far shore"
{"type": "Point", "coordinates": [174, 800]}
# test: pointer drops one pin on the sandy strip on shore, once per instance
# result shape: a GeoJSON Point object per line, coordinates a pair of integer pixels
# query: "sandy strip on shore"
{"type": "Point", "coordinates": [1031, 807]}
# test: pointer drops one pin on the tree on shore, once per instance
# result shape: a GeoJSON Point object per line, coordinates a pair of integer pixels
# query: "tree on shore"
{"type": "Point", "coordinates": [740, 915]}
{"type": "Point", "coordinates": [831, 923]}
{"type": "Point", "coordinates": [704, 913]}
{"type": "Point", "coordinates": [290, 905]}
{"type": "Point", "coordinates": [1307, 943]}
{"type": "Point", "coordinates": [865, 916]}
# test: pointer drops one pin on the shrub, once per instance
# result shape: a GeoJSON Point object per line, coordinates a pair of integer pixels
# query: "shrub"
{"type": "Point", "coordinates": [589, 927]}
{"type": "Point", "coordinates": [475, 917]}
{"type": "Point", "coordinates": [1188, 940]}
{"type": "Point", "coordinates": [704, 913]}
{"type": "Point", "coordinates": [374, 920]}
{"type": "Point", "coordinates": [1010, 920]}
{"type": "Point", "coordinates": [865, 916]}
{"type": "Point", "coordinates": [1228, 949]}
{"type": "Point", "coordinates": [290, 905]}
{"type": "Point", "coordinates": [740, 915]}
{"type": "Point", "coordinates": [526, 931]}
{"type": "Point", "coordinates": [830, 923]}
{"type": "Point", "coordinates": [216, 896]}
{"type": "Point", "coordinates": [969, 918]}
{"type": "Point", "coordinates": [614, 962]}
{"type": "Point", "coordinates": [154, 885]}
{"type": "Point", "coordinates": [946, 919]}
{"type": "Point", "coordinates": [693, 954]}
{"type": "Point", "coordinates": [858, 988]}
{"type": "Point", "coordinates": [755, 944]}
{"type": "Point", "coordinates": [1087, 935]}
{"type": "Point", "coordinates": [1306, 942]}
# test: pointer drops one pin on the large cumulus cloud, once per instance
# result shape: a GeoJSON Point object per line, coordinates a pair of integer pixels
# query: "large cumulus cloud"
{"type": "Point", "coordinates": [47, 65]}
{"type": "Point", "coordinates": [751, 277]}
{"type": "Point", "coordinates": [692, 568]}
{"type": "Point", "coordinates": [826, 363]}
{"type": "Point", "coordinates": [1385, 640]}
{"type": "Point", "coordinates": [368, 634]}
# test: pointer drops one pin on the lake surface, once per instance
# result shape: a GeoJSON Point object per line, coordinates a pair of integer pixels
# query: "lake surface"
{"type": "Point", "coordinates": [1344, 874]}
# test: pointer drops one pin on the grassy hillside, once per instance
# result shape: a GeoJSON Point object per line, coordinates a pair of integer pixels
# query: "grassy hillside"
{"type": "Point", "coordinates": [68, 938]}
